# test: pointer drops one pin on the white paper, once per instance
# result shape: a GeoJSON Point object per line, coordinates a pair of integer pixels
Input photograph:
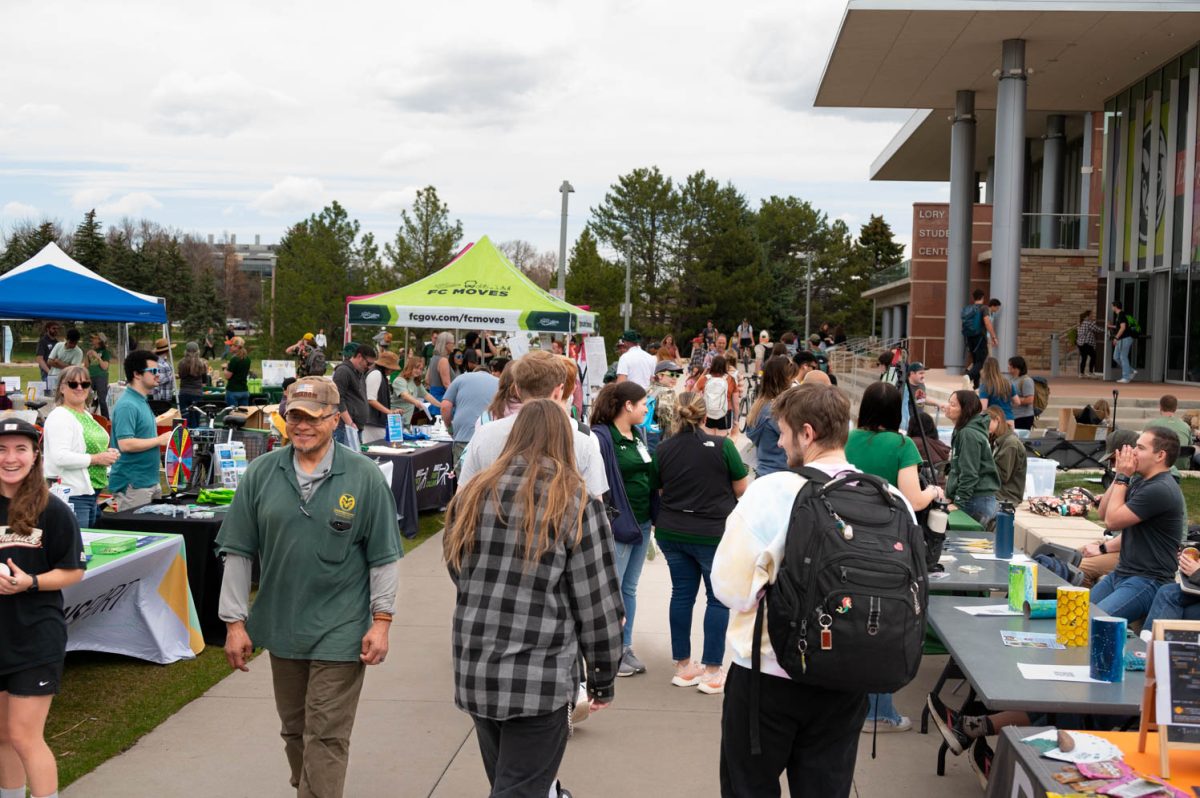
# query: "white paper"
{"type": "Point", "coordinates": [1088, 747]}
{"type": "Point", "coordinates": [1057, 673]}
{"type": "Point", "coordinates": [518, 345]}
{"type": "Point", "coordinates": [1017, 557]}
{"type": "Point", "coordinates": [989, 609]}
{"type": "Point", "coordinates": [385, 466]}
{"type": "Point", "coordinates": [945, 558]}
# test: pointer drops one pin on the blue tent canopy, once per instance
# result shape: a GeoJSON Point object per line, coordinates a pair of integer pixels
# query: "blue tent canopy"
{"type": "Point", "coordinates": [52, 285]}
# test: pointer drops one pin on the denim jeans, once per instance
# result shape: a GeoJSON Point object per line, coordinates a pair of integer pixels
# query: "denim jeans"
{"type": "Point", "coordinates": [981, 508]}
{"type": "Point", "coordinates": [1172, 604]}
{"type": "Point", "coordinates": [1127, 597]}
{"type": "Point", "coordinates": [85, 510]}
{"type": "Point", "coordinates": [881, 705]}
{"type": "Point", "coordinates": [237, 398]}
{"type": "Point", "coordinates": [1121, 352]}
{"type": "Point", "coordinates": [630, 559]}
{"type": "Point", "coordinates": [689, 562]}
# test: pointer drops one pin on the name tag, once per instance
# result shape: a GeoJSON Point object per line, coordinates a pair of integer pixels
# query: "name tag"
{"type": "Point", "coordinates": [643, 451]}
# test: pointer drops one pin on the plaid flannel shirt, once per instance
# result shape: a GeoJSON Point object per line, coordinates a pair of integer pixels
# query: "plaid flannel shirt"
{"type": "Point", "coordinates": [519, 628]}
{"type": "Point", "coordinates": [1085, 333]}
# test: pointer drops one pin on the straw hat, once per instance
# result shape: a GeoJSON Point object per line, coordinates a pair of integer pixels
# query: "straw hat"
{"type": "Point", "coordinates": [162, 345]}
{"type": "Point", "coordinates": [388, 360]}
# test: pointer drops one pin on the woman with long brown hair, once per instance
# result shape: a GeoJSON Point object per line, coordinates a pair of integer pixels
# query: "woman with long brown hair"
{"type": "Point", "coordinates": [973, 480]}
{"type": "Point", "coordinates": [531, 558]}
{"type": "Point", "coordinates": [42, 552]}
{"type": "Point", "coordinates": [761, 428]}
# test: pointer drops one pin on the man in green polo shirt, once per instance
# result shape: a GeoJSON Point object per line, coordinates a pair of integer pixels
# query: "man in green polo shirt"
{"type": "Point", "coordinates": [1168, 405]}
{"type": "Point", "coordinates": [322, 521]}
{"type": "Point", "coordinates": [133, 479]}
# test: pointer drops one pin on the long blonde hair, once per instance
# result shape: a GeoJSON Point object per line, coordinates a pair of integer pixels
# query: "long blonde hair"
{"type": "Point", "coordinates": [996, 384]}
{"type": "Point", "coordinates": [551, 489]}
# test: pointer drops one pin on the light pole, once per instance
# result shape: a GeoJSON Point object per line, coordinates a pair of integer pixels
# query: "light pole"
{"type": "Point", "coordinates": [566, 188]}
{"type": "Point", "coordinates": [628, 266]}
{"type": "Point", "coordinates": [807, 294]}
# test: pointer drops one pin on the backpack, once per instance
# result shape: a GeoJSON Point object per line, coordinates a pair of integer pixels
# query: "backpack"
{"type": "Point", "coordinates": [314, 364]}
{"type": "Point", "coordinates": [847, 608]}
{"type": "Point", "coordinates": [1041, 395]}
{"type": "Point", "coordinates": [972, 320]}
{"type": "Point", "coordinates": [716, 396]}
{"type": "Point", "coordinates": [1135, 329]}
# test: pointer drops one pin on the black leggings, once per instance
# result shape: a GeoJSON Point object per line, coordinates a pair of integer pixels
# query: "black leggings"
{"type": "Point", "coordinates": [1087, 354]}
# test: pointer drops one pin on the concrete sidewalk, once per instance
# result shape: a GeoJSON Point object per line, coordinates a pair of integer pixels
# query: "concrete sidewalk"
{"type": "Point", "coordinates": [411, 741]}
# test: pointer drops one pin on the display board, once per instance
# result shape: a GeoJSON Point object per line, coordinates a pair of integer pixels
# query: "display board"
{"type": "Point", "coordinates": [274, 372]}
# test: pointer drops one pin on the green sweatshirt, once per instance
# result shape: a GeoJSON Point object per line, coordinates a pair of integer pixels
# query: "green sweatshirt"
{"type": "Point", "coordinates": [972, 469]}
{"type": "Point", "coordinates": [1009, 454]}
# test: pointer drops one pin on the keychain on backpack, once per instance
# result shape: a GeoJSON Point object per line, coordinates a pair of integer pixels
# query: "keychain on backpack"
{"type": "Point", "coordinates": [826, 623]}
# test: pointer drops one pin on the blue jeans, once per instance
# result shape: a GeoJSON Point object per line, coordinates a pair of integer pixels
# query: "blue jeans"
{"type": "Point", "coordinates": [630, 559]}
{"type": "Point", "coordinates": [689, 562]}
{"type": "Point", "coordinates": [1127, 597]}
{"type": "Point", "coordinates": [1172, 604]}
{"type": "Point", "coordinates": [237, 398]}
{"type": "Point", "coordinates": [883, 707]}
{"type": "Point", "coordinates": [1121, 353]}
{"type": "Point", "coordinates": [981, 508]}
{"type": "Point", "coordinates": [85, 510]}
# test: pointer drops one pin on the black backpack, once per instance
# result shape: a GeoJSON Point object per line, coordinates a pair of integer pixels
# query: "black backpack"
{"type": "Point", "coordinates": [847, 609]}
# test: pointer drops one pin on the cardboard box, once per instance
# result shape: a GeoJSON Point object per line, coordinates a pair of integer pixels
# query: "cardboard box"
{"type": "Point", "coordinates": [1072, 430]}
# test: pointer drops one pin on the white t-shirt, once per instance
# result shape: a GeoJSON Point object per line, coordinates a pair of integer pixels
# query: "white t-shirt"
{"type": "Point", "coordinates": [319, 340]}
{"type": "Point", "coordinates": [637, 365]}
{"type": "Point", "coordinates": [489, 440]}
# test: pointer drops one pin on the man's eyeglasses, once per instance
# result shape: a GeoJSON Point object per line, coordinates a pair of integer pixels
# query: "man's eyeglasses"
{"type": "Point", "coordinates": [78, 385]}
{"type": "Point", "coordinates": [297, 418]}
{"type": "Point", "coordinates": [150, 371]}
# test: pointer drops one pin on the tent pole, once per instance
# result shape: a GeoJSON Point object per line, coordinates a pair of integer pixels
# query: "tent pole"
{"type": "Point", "coordinates": [171, 358]}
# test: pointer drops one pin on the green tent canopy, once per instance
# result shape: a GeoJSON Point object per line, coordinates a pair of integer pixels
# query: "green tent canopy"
{"type": "Point", "coordinates": [479, 289]}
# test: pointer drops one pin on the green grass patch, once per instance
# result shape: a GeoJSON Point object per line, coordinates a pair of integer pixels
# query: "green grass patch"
{"type": "Point", "coordinates": [1190, 487]}
{"type": "Point", "coordinates": [108, 702]}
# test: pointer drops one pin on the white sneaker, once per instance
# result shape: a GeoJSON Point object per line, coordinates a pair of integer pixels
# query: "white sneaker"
{"type": "Point", "coordinates": [886, 726]}
{"type": "Point", "coordinates": [1123, 381]}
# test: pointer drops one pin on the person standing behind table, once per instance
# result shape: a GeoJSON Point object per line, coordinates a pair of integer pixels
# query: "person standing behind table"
{"type": "Point", "coordinates": [1145, 503]}
{"type": "Point", "coordinates": [876, 447]}
{"type": "Point", "coordinates": [350, 379]}
{"type": "Point", "coordinates": [193, 371]}
{"type": "Point", "coordinates": [994, 388]}
{"type": "Point", "coordinates": [439, 375]}
{"type": "Point", "coordinates": [1122, 338]}
{"type": "Point", "coordinates": [465, 402]}
{"type": "Point", "coordinates": [635, 364]}
{"type": "Point", "coordinates": [1086, 334]}
{"type": "Point", "coordinates": [1167, 406]}
{"type": "Point", "coordinates": [133, 479]}
{"type": "Point", "coordinates": [164, 393]}
{"type": "Point", "coordinates": [65, 353]}
{"type": "Point", "coordinates": [1008, 452]}
{"type": "Point", "coordinates": [408, 390]}
{"type": "Point", "coordinates": [45, 344]}
{"type": "Point", "coordinates": [760, 425]}
{"type": "Point", "coordinates": [322, 522]}
{"type": "Point", "coordinates": [98, 359]}
{"type": "Point", "coordinates": [76, 446]}
{"type": "Point", "coordinates": [1024, 393]}
{"type": "Point", "coordinates": [379, 397]}
{"type": "Point", "coordinates": [41, 546]}
{"type": "Point", "coordinates": [702, 475]}
{"type": "Point", "coordinates": [237, 374]}
{"type": "Point", "coordinates": [973, 480]}
{"type": "Point", "coordinates": [977, 331]}
{"type": "Point", "coordinates": [533, 567]}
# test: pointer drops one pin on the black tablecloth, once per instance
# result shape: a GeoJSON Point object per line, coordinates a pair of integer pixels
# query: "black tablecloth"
{"type": "Point", "coordinates": [204, 568]}
{"type": "Point", "coordinates": [420, 481]}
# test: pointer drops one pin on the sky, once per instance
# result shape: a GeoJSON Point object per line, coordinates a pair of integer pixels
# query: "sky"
{"type": "Point", "coordinates": [223, 118]}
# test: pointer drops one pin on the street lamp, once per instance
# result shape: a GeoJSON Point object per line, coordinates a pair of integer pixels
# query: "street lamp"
{"type": "Point", "coordinates": [566, 188]}
{"type": "Point", "coordinates": [808, 259]}
{"type": "Point", "coordinates": [628, 266]}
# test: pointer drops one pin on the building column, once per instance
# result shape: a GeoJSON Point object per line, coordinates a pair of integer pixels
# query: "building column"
{"type": "Point", "coordinates": [1052, 181]}
{"type": "Point", "coordinates": [962, 207]}
{"type": "Point", "coordinates": [886, 316]}
{"type": "Point", "coordinates": [1010, 174]}
{"type": "Point", "coordinates": [989, 182]}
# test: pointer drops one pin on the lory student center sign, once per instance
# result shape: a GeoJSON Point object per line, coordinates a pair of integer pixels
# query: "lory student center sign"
{"type": "Point", "coordinates": [481, 290]}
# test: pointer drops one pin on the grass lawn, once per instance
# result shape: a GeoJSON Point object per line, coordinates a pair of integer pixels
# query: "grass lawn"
{"type": "Point", "coordinates": [1189, 485]}
{"type": "Point", "coordinates": [109, 701]}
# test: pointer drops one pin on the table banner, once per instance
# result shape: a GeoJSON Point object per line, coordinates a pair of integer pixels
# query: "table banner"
{"type": "Point", "coordinates": [136, 603]}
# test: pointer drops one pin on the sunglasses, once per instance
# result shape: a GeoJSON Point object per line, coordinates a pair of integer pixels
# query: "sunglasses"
{"type": "Point", "coordinates": [150, 371]}
{"type": "Point", "coordinates": [78, 385]}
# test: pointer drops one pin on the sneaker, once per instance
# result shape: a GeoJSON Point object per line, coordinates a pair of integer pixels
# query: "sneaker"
{"type": "Point", "coordinates": [625, 669]}
{"type": "Point", "coordinates": [629, 658]}
{"type": "Point", "coordinates": [981, 761]}
{"type": "Point", "coordinates": [887, 726]}
{"type": "Point", "coordinates": [1123, 381]}
{"type": "Point", "coordinates": [687, 675]}
{"type": "Point", "coordinates": [949, 724]}
{"type": "Point", "coordinates": [712, 684]}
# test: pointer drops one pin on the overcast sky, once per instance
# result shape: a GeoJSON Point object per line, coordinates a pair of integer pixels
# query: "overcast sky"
{"type": "Point", "coordinates": [246, 117]}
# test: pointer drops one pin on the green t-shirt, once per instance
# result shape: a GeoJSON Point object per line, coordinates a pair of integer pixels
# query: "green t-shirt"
{"type": "Point", "coordinates": [313, 598]}
{"type": "Point", "coordinates": [1176, 425]}
{"type": "Point", "coordinates": [881, 454]}
{"type": "Point", "coordinates": [95, 440]}
{"type": "Point", "coordinates": [95, 370]}
{"type": "Point", "coordinates": [639, 472]}
{"type": "Point", "coordinates": [239, 367]}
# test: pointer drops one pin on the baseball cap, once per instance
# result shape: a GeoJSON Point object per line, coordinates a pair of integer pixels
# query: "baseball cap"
{"type": "Point", "coordinates": [916, 366]}
{"type": "Point", "coordinates": [631, 335]}
{"type": "Point", "coordinates": [19, 426]}
{"type": "Point", "coordinates": [668, 365]}
{"type": "Point", "coordinates": [312, 395]}
{"type": "Point", "coordinates": [309, 336]}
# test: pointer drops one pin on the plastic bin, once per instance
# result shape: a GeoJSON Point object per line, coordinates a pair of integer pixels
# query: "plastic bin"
{"type": "Point", "coordinates": [1039, 477]}
{"type": "Point", "coordinates": [945, 434]}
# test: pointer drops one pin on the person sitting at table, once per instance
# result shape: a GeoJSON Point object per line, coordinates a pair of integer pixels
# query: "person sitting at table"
{"type": "Point", "coordinates": [1009, 455]}
{"type": "Point", "coordinates": [973, 481]}
{"type": "Point", "coordinates": [76, 446]}
{"type": "Point", "coordinates": [922, 429]}
{"type": "Point", "coordinates": [1146, 504]}
{"type": "Point", "coordinates": [1172, 602]}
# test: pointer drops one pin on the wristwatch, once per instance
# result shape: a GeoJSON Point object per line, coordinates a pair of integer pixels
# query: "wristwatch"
{"type": "Point", "coordinates": [33, 586]}
{"type": "Point", "coordinates": [1121, 479]}
{"type": "Point", "coordinates": [1104, 547]}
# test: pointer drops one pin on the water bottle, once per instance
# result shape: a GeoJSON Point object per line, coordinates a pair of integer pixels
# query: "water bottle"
{"type": "Point", "coordinates": [1004, 531]}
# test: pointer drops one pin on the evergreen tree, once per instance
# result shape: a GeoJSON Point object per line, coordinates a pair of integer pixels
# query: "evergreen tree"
{"type": "Point", "coordinates": [643, 207]}
{"type": "Point", "coordinates": [27, 240]}
{"type": "Point", "coordinates": [87, 245]}
{"type": "Point", "coordinates": [426, 240]}
{"type": "Point", "coordinates": [879, 247]}
{"type": "Point", "coordinates": [597, 283]}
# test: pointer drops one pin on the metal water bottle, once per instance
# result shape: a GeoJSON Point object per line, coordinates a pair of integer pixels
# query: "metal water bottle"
{"type": "Point", "coordinates": [1004, 531]}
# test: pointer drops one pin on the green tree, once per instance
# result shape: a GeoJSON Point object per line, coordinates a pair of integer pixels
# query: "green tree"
{"type": "Point", "coordinates": [426, 240]}
{"type": "Point", "coordinates": [88, 245]}
{"type": "Point", "coordinates": [789, 229]}
{"type": "Point", "coordinates": [27, 240]}
{"type": "Point", "coordinates": [597, 283]}
{"type": "Point", "coordinates": [879, 247]}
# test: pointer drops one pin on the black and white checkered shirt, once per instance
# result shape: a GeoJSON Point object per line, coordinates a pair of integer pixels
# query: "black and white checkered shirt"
{"type": "Point", "coordinates": [519, 628]}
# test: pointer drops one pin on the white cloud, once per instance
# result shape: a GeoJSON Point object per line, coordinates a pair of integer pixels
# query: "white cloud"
{"type": "Point", "coordinates": [211, 105]}
{"type": "Point", "coordinates": [18, 210]}
{"type": "Point", "coordinates": [406, 153]}
{"type": "Point", "coordinates": [291, 195]}
{"type": "Point", "coordinates": [90, 197]}
{"type": "Point", "coordinates": [395, 201]}
{"type": "Point", "coordinates": [30, 113]}
{"type": "Point", "coordinates": [135, 203]}
{"type": "Point", "coordinates": [484, 86]}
